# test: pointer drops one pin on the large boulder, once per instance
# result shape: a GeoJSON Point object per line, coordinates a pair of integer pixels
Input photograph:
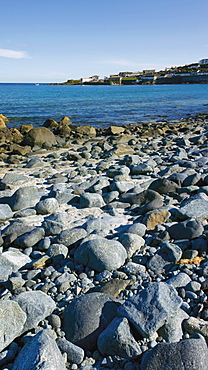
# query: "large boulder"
{"type": "Point", "coordinates": [101, 254]}
{"type": "Point", "coordinates": [37, 306]}
{"type": "Point", "coordinates": [150, 309]}
{"type": "Point", "coordinates": [24, 197]}
{"type": "Point", "coordinates": [189, 354]}
{"type": "Point", "coordinates": [86, 317]}
{"type": "Point", "coordinates": [117, 340]}
{"type": "Point", "coordinates": [40, 136]}
{"type": "Point", "coordinates": [40, 353]}
{"type": "Point", "coordinates": [12, 320]}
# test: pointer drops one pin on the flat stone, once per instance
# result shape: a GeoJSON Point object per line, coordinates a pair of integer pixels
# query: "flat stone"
{"type": "Point", "coordinates": [146, 316]}
{"type": "Point", "coordinates": [117, 340]}
{"type": "Point", "coordinates": [12, 320]}
{"type": "Point", "coordinates": [14, 258]}
{"type": "Point", "coordinates": [37, 306]}
{"type": "Point", "coordinates": [41, 352]}
{"type": "Point", "coordinates": [86, 317]}
{"type": "Point", "coordinates": [13, 179]}
{"type": "Point", "coordinates": [101, 254]}
{"type": "Point", "coordinates": [193, 325]}
{"type": "Point", "coordinates": [195, 207]}
{"type": "Point", "coordinates": [188, 354]}
{"type": "Point", "coordinates": [180, 280]}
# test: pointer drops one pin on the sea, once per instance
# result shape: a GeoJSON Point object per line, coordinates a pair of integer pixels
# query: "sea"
{"type": "Point", "coordinates": [101, 106]}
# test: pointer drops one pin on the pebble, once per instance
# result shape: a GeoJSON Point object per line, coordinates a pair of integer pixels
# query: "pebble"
{"type": "Point", "coordinates": [119, 222]}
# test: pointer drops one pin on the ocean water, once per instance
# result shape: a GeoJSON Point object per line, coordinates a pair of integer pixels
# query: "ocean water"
{"type": "Point", "coordinates": [101, 106]}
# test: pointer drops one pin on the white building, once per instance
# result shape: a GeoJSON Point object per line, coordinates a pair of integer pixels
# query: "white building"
{"type": "Point", "coordinates": [203, 61]}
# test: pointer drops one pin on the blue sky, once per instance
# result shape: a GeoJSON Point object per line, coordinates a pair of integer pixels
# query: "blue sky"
{"type": "Point", "coordinates": [53, 41]}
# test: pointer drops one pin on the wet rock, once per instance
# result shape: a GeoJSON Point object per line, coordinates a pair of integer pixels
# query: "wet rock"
{"type": "Point", "coordinates": [41, 352]}
{"type": "Point", "coordinates": [86, 317]}
{"type": "Point", "coordinates": [187, 354]}
{"type": "Point", "coordinates": [146, 316]}
{"type": "Point", "coordinates": [12, 320]}
{"type": "Point", "coordinates": [117, 340]}
{"type": "Point", "coordinates": [101, 254]}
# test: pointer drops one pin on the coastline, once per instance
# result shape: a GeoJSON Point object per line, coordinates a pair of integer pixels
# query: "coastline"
{"type": "Point", "coordinates": [93, 217]}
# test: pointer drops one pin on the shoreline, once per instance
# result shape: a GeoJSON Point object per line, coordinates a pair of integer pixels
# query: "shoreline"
{"type": "Point", "coordinates": [95, 219]}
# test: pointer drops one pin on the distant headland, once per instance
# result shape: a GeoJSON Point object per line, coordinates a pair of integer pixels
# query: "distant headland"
{"type": "Point", "coordinates": [187, 74]}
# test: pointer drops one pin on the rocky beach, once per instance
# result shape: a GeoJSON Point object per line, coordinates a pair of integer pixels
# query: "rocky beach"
{"type": "Point", "coordinates": [104, 246]}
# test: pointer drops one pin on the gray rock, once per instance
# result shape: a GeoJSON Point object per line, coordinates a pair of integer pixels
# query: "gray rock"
{"type": "Point", "coordinates": [46, 206]}
{"type": "Point", "coordinates": [172, 331]}
{"type": "Point", "coordinates": [195, 207]}
{"type": "Point", "coordinates": [193, 326]}
{"type": "Point", "coordinates": [74, 353]}
{"type": "Point", "coordinates": [89, 200]}
{"type": "Point", "coordinates": [64, 196]}
{"type": "Point", "coordinates": [166, 256]}
{"type": "Point", "coordinates": [57, 249]}
{"type": "Point", "coordinates": [164, 186]}
{"type": "Point", "coordinates": [141, 198]}
{"type": "Point", "coordinates": [37, 306]}
{"type": "Point", "coordinates": [137, 228]}
{"type": "Point", "coordinates": [12, 320]}
{"type": "Point", "coordinates": [188, 229]}
{"type": "Point", "coordinates": [16, 228]}
{"type": "Point", "coordinates": [190, 354]}
{"type": "Point", "coordinates": [8, 356]}
{"type": "Point", "coordinates": [131, 242]}
{"type": "Point", "coordinates": [110, 196]}
{"type": "Point", "coordinates": [5, 212]}
{"type": "Point", "coordinates": [13, 179]}
{"type": "Point", "coordinates": [134, 268]}
{"type": "Point", "coordinates": [86, 317]}
{"type": "Point", "coordinates": [24, 197]}
{"type": "Point", "coordinates": [5, 271]}
{"type": "Point", "coordinates": [117, 340]}
{"type": "Point", "coordinates": [179, 280]}
{"type": "Point", "coordinates": [71, 236]}
{"type": "Point", "coordinates": [31, 238]}
{"type": "Point", "coordinates": [142, 168]}
{"type": "Point", "coordinates": [101, 254]}
{"type": "Point", "coordinates": [121, 186]}
{"type": "Point", "coordinates": [40, 353]}
{"type": "Point", "coordinates": [35, 162]}
{"type": "Point", "coordinates": [149, 309]}
{"type": "Point", "coordinates": [14, 258]}
{"type": "Point", "coordinates": [54, 223]}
